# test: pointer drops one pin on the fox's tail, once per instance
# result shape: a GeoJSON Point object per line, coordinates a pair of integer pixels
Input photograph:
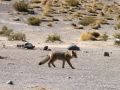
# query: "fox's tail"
{"type": "Point", "coordinates": [45, 60]}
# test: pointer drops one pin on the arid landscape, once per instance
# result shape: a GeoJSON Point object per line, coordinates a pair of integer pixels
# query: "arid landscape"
{"type": "Point", "coordinates": [92, 25]}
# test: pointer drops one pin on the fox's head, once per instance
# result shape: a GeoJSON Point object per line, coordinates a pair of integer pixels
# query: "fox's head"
{"type": "Point", "coordinates": [74, 54]}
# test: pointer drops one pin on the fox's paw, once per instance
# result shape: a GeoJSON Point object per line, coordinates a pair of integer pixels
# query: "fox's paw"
{"type": "Point", "coordinates": [73, 68]}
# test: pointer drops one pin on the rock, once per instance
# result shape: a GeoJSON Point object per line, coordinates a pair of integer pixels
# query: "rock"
{"type": "Point", "coordinates": [10, 82]}
{"type": "Point", "coordinates": [45, 48]}
{"type": "Point", "coordinates": [29, 46]}
{"type": "Point", "coordinates": [31, 11]}
{"type": "Point", "coordinates": [1, 57]}
{"type": "Point", "coordinates": [78, 27]}
{"type": "Point", "coordinates": [50, 25]}
{"type": "Point", "coordinates": [16, 19]}
{"type": "Point", "coordinates": [68, 77]}
{"type": "Point", "coordinates": [73, 47]}
{"type": "Point", "coordinates": [74, 25]}
{"type": "Point", "coordinates": [106, 54]}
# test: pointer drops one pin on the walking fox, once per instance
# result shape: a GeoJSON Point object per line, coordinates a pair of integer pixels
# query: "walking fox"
{"type": "Point", "coordinates": [64, 56]}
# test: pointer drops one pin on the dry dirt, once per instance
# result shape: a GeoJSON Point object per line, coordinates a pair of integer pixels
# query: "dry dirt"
{"type": "Point", "coordinates": [93, 70]}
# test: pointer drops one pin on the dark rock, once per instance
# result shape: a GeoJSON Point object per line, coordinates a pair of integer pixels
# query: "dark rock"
{"type": "Point", "coordinates": [106, 54]}
{"type": "Point", "coordinates": [29, 46]}
{"type": "Point", "coordinates": [73, 47]}
{"type": "Point", "coordinates": [45, 48]}
{"type": "Point", "coordinates": [10, 82]}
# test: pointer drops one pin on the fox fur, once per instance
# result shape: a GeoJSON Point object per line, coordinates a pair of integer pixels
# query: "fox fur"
{"type": "Point", "coordinates": [64, 56]}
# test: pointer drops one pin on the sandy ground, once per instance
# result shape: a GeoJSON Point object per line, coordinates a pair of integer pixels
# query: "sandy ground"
{"type": "Point", "coordinates": [93, 70]}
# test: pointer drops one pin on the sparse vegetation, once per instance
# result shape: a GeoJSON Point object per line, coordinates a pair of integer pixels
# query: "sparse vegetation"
{"type": "Point", "coordinates": [5, 31]}
{"type": "Point", "coordinates": [12, 35]}
{"type": "Point", "coordinates": [47, 8]}
{"type": "Point", "coordinates": [87, 21]}
{"type": "Point", "coordinates": [21, 6]}
{"type": "Point", "coordinates": [117, 41]}
{"type": "Point", "coordinates": [88, 36]}
{"type": "Point", "coordinates": [72, 2]}
{"type": "Point", "coordinates": [117, 35]}
{"type": "Point", "coordinates": [117, 26]}
{"type": "Point", "coordinates": [53, 38]}
{"type": "Point", "coordinates": [17, 36]}
{"type": "Point", "coordinates": [104, 37]}
{"type": "Point", "coordinates": [34, 21]}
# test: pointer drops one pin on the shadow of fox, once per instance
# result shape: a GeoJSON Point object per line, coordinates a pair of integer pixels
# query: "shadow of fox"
{"type": "Point", "coordinates": [64, 56]}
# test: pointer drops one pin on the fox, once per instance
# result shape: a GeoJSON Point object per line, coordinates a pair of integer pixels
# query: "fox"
{"type": "Point", "coordinates": [57, 55]}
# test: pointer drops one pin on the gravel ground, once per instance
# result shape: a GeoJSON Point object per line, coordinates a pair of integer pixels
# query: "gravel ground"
{"type": "Point", "coordinates": [93, 70]}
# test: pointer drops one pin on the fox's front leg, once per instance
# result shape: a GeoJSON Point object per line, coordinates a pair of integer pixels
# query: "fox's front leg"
{"type": "Point", "coordinates": [68, 61]}
{"type": "Point", "coordinates": [63, 65]}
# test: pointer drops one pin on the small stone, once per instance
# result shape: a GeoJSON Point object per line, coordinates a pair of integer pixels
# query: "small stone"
{"type": "Point", "coordinates": [106, 54]}
{"type": "Point", "coordinates": [16, 19]}
{"type": "Point", "coordinates": [10, 82]}
{"type": "Point", "coordinates": [68, 77]}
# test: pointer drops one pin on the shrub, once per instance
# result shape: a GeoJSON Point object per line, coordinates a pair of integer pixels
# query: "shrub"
{"type": "Point", "coordinates": [117, 26]}
{"type": "Point", "coordinates": [117, 41]}
{"type": "Point", "coordinates": [53, 38]}
{"type": "Point", "coordinates": [87, 20]}
{"type": "Point", "coordinates": [72, 2]}
{"type": "Point", "coordinates": [117, 35]}
{"type": "Point", "coordinates": [104, 37]}
{"type": "Point", "coordinates": [5, 31]}
{"type": "Point", "coordinates": [87, 36]}
{"type": "Point", "coordinates": [47, 8]}
{"type": "Point", "coordinates": [17, 36]}
{"type": "Point", "coordinates": [34, 21]}
{"type": "Point", "coordinates": [21, 6]}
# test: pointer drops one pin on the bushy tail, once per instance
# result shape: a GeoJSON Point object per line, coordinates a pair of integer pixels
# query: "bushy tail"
{"type": "Point", "coordinates": [45, 60]}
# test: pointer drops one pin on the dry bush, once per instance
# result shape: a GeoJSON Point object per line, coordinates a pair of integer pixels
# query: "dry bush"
{"type": "Point", "coordinates": [21, 6]}
{"type": "Point", "coordinates": [117, 35]}
{"type": "Point", "coordinates": [53, 38]}
{"type": "Point", "coordinates": [5, 31]}
{"type": "Point", "coordinates": [72, 2]}
{"type": "Point", "coordinates": [87, 36]}
{"type": "Point", "coordinates": [101, 21]}
{"type": "Point", "coordinates": [34, 21]}
{"type": "Point", "coordinates": [95, 26]}
{"type": "Point", "coordinates": [47, 8]}
{"type": "Point", "coordinates": [87, 21]}
{"type": "Point", "coordinates": [17, 36]}
{"type": "Point", "coordinates": [117, 26]}
{"type": "Point", "coordinates": [99, 5]}
{"type": "Point", "coordinates": [104, 37]}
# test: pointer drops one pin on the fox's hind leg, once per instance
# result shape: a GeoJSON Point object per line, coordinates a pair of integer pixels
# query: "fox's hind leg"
{"type": "Point", "coordinates": [49, 64]}
{"type": "Point", "coordinates": [53, 64]}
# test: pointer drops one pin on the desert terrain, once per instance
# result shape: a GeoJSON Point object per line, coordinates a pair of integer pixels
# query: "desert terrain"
{"type": "Point", "coordinates": [93, 70]}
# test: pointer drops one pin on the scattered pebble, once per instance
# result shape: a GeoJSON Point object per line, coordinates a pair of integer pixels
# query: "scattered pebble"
{"type": "Point", "coordinates": [10, 82]}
